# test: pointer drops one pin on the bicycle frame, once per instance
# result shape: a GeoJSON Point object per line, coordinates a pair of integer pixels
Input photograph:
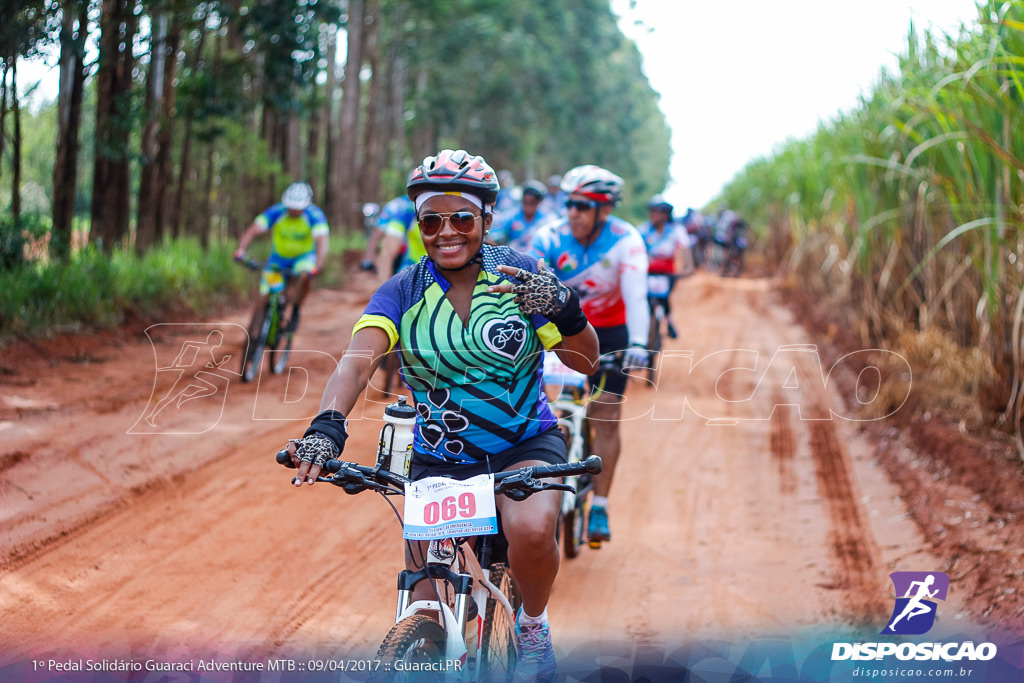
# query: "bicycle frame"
{"type": "Point", "coordinates": [572, 412]}
{"type": "Point", "coordinates": [442, 564]}
{"type": "Point", "coordinates": [268, 332]}
{"type": "Point", "coordinates": [424, 622]}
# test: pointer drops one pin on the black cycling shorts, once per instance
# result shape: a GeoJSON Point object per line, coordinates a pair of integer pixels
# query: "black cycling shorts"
{"type": "Point", "coordinates": [548, 447]}
{"type": "Point", "coordinates": [610, 340]}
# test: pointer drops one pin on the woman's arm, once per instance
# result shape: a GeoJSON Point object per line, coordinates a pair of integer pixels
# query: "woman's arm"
{"type": "Point", "coordinates": [580, 351]}
{"type": "Point", "coordinates": [346, 383]}
{"type": "Point", "coordinates": [350, 377]}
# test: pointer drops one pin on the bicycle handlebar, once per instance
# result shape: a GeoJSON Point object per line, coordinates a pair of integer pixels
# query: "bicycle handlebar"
{"type": "Point", "coordinates": [252, 264]}
{"type": "Point", "coordinates": [517, 484]}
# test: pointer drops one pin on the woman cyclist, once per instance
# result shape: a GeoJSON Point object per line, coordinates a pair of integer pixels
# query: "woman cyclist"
{"type": "Point", "coordinates": [668, 251]}
{"type": "Point", "coordinates": [470, 321]}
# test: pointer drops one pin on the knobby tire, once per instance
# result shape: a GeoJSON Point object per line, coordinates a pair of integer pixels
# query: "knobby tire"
{"type": "Point", "coordinates": [415, 639]}
{"type": "Point", "coordinates": [252, 360]}
{"type": "Point", "coordinates": [498, 653]}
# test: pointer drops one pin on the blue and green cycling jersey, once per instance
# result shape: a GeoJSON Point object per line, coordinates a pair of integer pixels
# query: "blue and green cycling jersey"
{"type": "Point", "coordinates": [398, 218]}
{"type": "Point", "coordinates": [476, 384]}
{"type": "Point", "coordinates": [293, 236]}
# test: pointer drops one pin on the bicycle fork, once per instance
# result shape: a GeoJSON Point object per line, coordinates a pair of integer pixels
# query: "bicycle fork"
{"type": "Point", "coordinates": [441, 558]}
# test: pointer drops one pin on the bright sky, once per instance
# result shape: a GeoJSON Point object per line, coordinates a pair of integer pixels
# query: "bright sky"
{"type": "Point", "coordinates": [738, 78]}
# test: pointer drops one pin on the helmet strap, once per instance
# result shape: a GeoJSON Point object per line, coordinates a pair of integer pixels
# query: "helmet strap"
{"type": "Point", "coordinates": [598, 224]}
{"type": "Point", "coordinates": [478, 258]}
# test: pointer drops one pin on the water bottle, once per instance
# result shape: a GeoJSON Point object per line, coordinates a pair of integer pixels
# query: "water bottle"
{"type": "Point", "coordinates": [395, 447]}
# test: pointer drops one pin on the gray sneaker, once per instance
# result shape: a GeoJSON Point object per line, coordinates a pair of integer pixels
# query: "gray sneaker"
{"type": "Point", "coordinates": [536, 655]}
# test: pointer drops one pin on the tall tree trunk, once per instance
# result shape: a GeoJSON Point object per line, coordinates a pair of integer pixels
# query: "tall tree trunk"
{"type": "Point", "coordinates": [394, 108]}
{"type": "Point", "coordinates": [331, 200]}
{"type": "Point", "coordinates": [293, 165]}
{"type": "Point", "coordinates": [313, 133]}
{"type": "Point", "coordinates": [3, 106]}
{"type": "Point", "coordinates": [110, 194]}
{"type": "Point", "coordinates": [349, 128]}
{"type": "Point", "coordinates": [205, 221]}
{"type": "Point", "coordinates": [16, 143]}
{"type": "Point", "coordinates": [146, 216]}
{"type": "Point", "coordinates": [370, 187]}
{"type": "Point", "coordinates": [74, 30]}
{"type": "Point", "coordinates": [165, 172]}
{"type": "Point", "coordinates": [176, 215]}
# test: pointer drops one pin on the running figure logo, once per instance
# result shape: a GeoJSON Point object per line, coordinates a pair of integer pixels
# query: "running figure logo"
{"type": "Point", "coordinates": [914, 613]}
{"type": "Point", "coordinates": [191, 379]}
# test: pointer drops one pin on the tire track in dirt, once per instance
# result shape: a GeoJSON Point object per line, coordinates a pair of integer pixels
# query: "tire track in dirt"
{"type": "Point", "coordinates": [197, 543]}
{"type": "Point", "coordinates": [783, 446]}
{"type": "Point", "coordinates": [851, 542]}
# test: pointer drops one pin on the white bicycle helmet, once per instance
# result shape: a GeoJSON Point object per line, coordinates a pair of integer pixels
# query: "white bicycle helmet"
{"type": "Point", "coordinates": [594, 182]}
{"type": "Point", "coordinates": [298, 196]}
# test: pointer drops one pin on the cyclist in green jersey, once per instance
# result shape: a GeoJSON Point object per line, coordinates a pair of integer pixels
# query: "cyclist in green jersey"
{"type": "Point", "coordinates": [470, 320]}
{"type": "Point", "coordinates": [299, 237]}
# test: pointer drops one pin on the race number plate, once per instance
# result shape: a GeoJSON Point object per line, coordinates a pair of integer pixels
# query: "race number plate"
{"type": "Point", "coordinates": [437, 507]}
{"type": "Point", "coordinates": [274, 280]}
{"type": "Point", "coordinates": [658, 285]}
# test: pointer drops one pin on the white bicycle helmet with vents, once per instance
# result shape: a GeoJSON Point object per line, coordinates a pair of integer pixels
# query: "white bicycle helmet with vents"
{"type": "Point", "coordinates": [298, 196]}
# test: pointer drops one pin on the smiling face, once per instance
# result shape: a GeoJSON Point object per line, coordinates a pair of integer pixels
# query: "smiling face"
{"type": "Point", "coordinates": [449, 248]}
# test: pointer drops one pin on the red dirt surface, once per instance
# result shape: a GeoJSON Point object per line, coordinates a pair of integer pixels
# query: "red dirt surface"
{"type": "Point", "coordinates": [738, 509]}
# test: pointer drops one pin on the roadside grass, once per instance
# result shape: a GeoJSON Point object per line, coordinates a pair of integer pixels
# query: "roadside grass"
{"type": "Point", "coordinates": [104, 291]}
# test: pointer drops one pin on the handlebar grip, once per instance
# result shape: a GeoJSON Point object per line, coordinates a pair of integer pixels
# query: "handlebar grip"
{"type": "Point", "coordinates": [333, 466]}
{"type": "Point", "coordinates": [591, 465]}
{"type": "Point", "coordinates": [284, 459]}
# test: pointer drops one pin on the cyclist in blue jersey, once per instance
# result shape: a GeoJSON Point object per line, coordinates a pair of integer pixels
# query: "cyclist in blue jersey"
{"type": "Point", "coordinates": [399, 237]}
{"type": "Point", "coordinates": [515, 228]}
{"type": "Point", "coordinates": [554, 200]}
{"type": "Point", "coordinates": [604, 259]}
{"type": "Point", "coordinates": [299, 238]}
{"type": "Point", "coordinates": [668, 248]}
{"type": "Point", "coordinates": [470, 320]}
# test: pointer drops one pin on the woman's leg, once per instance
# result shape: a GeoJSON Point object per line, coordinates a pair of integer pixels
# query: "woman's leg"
{"type": "Point", "coordinates": [529, 525]}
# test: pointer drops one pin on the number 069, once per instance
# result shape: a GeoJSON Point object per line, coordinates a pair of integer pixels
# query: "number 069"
{"type": "Point", "coordinates": [447, 509]}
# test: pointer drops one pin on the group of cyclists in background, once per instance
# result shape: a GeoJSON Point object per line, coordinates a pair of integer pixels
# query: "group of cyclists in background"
{"type": "Point", "coordinates": [476, 278]}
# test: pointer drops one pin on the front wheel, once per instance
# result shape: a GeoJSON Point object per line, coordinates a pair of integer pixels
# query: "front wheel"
{"type": "Point", "coordinates": [574, 521]}
{"type": "Point", "coordinates": [252, 359]}
{"type": "Point", "coordinates": [654, 343]}
{"type": "Point", "coordinates": [498, 648]}
{"type": "Point", "coordinates": [280, 356]}
{"type": "Point", "coordinates": [412, 643]}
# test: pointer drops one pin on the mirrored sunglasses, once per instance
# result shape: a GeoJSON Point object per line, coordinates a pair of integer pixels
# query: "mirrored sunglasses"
{"type": "Point", "coordinates": [462, 221]}
{"type": "Point", "coordinates": [580, 204]}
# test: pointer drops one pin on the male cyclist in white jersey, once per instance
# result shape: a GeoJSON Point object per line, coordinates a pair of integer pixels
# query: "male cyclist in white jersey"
{"type": "Point", "coordinates": [605, 260]}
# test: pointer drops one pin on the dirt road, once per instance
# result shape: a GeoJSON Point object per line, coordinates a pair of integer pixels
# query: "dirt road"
{"type": "Point", "coordinates": [733, 515]}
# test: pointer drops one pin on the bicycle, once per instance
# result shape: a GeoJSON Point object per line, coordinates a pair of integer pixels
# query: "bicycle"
{"type": "Point", "coordinates": [659, 286]}
{"type": "Point", "coordinates": [478, 585]}
{"type": "Point", "coordinates": [570, 407]}
{"type": "Point", "coordinates": [732, 261]}
{"type": "Point", "coordinates": [269, 321]}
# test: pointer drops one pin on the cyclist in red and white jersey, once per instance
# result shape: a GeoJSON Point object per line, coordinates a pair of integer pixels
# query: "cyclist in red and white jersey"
{"type": "Point", "coordinates": [605, 260]}
{"type": "Point", "coordinates": [668, 249]}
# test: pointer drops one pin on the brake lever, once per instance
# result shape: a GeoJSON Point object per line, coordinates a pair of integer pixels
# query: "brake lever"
{"type": "Point", "coordinates": [352, 481]}
{"type": "Point", "coordinates": [557, 487]}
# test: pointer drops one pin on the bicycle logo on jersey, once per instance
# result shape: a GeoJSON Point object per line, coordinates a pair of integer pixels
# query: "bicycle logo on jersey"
{"type": "Point", "coordinates": [506, 336]}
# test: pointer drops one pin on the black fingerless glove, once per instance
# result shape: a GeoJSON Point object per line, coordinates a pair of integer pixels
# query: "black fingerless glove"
{"type": "Point", "coordinates": [331, 424]}
{"type": "Point", "coordinates": [541, 293]}
{"type": "Point", "coordinates": [570, 320]}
